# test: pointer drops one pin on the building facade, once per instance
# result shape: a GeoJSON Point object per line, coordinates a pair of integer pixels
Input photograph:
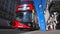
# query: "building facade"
{"type": "Point", "coordinates": [7, 8]}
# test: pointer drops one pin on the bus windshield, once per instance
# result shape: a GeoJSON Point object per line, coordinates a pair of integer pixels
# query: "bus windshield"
{"type": "Point", "coordinates": [24, 16]}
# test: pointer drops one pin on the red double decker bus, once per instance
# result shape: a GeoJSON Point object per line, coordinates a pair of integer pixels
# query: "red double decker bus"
{"type": "Point", "coordinates": [24, 16]}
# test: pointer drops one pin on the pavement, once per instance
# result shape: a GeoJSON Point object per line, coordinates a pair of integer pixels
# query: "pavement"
{"type": "Point", "coordinates": [17, 31]}
{"type": "Point", "coordinates": [40, 32]}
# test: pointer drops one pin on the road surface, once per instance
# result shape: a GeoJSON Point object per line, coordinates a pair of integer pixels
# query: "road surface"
{"type": "Point", "coordinates": [17, 31]}
{"type": "Point", "coordinates": [39, 32]}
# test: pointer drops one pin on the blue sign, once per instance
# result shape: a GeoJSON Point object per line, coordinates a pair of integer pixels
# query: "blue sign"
{"type": "Point", "coordinates": [40, 6]}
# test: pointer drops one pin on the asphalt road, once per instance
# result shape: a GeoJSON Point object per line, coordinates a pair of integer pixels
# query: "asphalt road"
{"type": "Point", "coordinates": [12, 31]}
{"type": "Point", "coordinates": [39, 32]}
{"type": "Point", "coordinates": [17, 31]}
